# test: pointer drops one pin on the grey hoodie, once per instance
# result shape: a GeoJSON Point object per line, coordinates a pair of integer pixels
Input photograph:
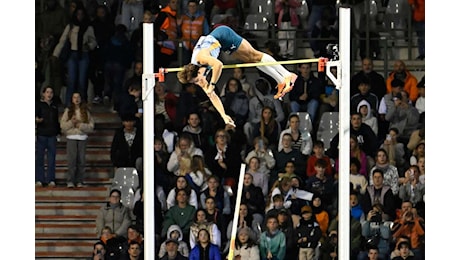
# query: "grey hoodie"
{"type": "Point", "coordinates": [183, 247]}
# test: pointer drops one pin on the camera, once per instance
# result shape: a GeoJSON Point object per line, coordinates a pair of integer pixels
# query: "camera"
{"type": "Point", "coordinates": [98, 252]}
{"type": "Point", "coordinates": [377, 217]}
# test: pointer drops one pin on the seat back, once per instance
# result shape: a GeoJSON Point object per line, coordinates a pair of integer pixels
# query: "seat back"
{"type": "Point", "coordinates": [328, 128]}
{"type": "Point", "coordinates": [126, 179]}
{"type": "Point", "coordinates": [257, 26]}
{"type": "Point", "coordinates": [262, 7]}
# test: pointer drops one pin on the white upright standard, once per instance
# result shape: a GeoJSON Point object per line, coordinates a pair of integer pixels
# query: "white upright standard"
{"type": "Point", "coordinates": [148, 83]}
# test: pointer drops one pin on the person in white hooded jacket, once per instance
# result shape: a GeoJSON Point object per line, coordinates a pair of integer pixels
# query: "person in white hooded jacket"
{"type": "Point", "coordinates": [364, 108]}
{"type": "Point", "coordinates": [174, 232]}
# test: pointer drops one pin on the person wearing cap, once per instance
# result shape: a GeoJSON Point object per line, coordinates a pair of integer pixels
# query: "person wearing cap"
{"type": "Point", "coordinates": [286, 225]}
{"type": "Point", "coordinates": [401, 73]}
{"type": "Point", "coordinates": [308, 234]}
{"type": "Point", "coordinates": [172, 253]}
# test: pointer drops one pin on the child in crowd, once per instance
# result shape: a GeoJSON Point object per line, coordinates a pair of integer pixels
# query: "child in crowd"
{"type": "Point", "coordinates": [272, 243]}
{"type": "Point", "coordinates": [309, 234]}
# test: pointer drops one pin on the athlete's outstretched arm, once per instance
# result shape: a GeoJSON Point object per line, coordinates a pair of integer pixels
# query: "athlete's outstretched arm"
{"type": "Point", "coordinates": [204, 58]}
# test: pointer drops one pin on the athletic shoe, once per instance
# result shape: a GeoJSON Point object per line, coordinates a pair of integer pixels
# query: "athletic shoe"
{"type": "Point", "coordinates": [97, 100]}
{"type": "Point", "coordinates": [52, 184]}
{"type": "Point", "coordinates": [80, 185]}
{"type": "Point", "coordinates": [70, 185]}
{"type": "Point", "coordinates": [280, 88]}
{"type": "Point", "coordinates": [38, 184]}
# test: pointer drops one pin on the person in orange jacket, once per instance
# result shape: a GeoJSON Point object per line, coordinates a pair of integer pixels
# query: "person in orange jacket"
{"type": "Point", "coordinates": [410, 81]}
{"type": "Point", "coordinates": [418, 17]}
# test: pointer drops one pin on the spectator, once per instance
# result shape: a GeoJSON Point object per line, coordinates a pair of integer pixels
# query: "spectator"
{"type": "Point", "coordinates": [166, 29]}
{"type": "Point", "coordinates": [368, 74]}
{"type": "Point", "coordinates": [322, 184]}
{"type": "Point", "coordinates": [248, 87]}
{"type": "Point", "coordinates": [263, 153]}
{"type": "Point", "coordinates": [400, 72]}
{"type": "Point", "coordinates": [117, 60]}
{"type": "Point", "coordinates": [268, 127]}
{"type": "Point", "coordinates": [386, 103]}
{"type": "Point", "coordinates": [355, 234]}
{"type": "Point", "coordinates": [82, 40]}
{"type": "Point", "coordinates": [412, 189]}
{"type": "Point", "coordinates": [403, 116]}
{"type": "Point", "coordinates": [47, 130]}
{"type": "Point", "coordinates": [356, 152]}
{"type": "Point", "coordinates": [135, 251]}
{"type": "Point", "coordinates": [305, 95]}
{"type": "Point", "coordinates": [288, 154]}
{"type": "Point", "coordinates": [288, 22]}
{"type": "Point", "coordinates": [214, 215]}
{"type": "Point", "coordinates": [308, 234]}
{"type": "Point", "coordinates": [259, 179]}
{"type": "Point", "coordinates": [410, 226]}
{"type": "Point", "coordinates": [104, 28]}
{"type": "Point", "coordinates": [320, 215]}
{"type": "Point", "coordinates": [174, 233]}
{"type": "Point", "coordinates": [165, 107]}
{"type": "Point", "coordinates": [262, 98]}
{"type": "Point", "coordinates": [272, 243]}
{"type": "Point", "coordinates": [183, 146]}
{"type": "Point", "coordinates": [364, 93]}
{"type": "Point", "coordinates": [127, 145]}
{"type": "Point", "coordinates": [287, 226]}
{"type": "Point", "coordinates": [193, 127]}
{"type": "Point", "coordinates": [376, 233]}
{"type": "Point", "coordinates": [420, 102]}
{"type": "Point", "coordinates": [131, 14]}
{"type": "Point", "coordinates": [216, 191]}
{"type": "Point", "coordinates": [229, 7]}
{"type": "Point", "coordinates": [236, 102]}
{"type": "Point", "coordinates": [297, 197]}
{"type": "Point", "coordinates": [395, 149]}
{"type": "Point", "coordinates": [98, 251]}
{"type": "Point", "coordinates": [318, 153]}
{"type": "Point", "coordinates": [180, 214]}
{"type": "Point", "coordinates": [417, 153]}
{"type": "Point", "coordinates": [254, 199]}
{"type": "Point", "coordinates": [193, 24]}
{"type": "Point", "coordinates": [200, 222]}
{"type": "Point", "coordinates": [113, 214]}
{"type": "Point", "coordinates": [358, 180]}
{"type": "Point", "coordinates": [373, 252]}
{"type": "Point", "coordinates": [205, 249]}
{"type": "Point", "coordinates": [245, 247]}
{"type": "Point", "coordinates": [181, 184]}
{"type": "Point", "coordinates": [418, 17]}
{"type": "Point", "coordinates": [245, 220]}
{"type": "Point", "coordinates": [378, 192]}
{"type": "Point", "coordinates": [396, 252]}
{"type": "Point", "coordinates": [224, 159]}
{"type": "Point", "coordinates": [356, 210]}
{"type": "Point", "coordinates": [131, 103]}
{"type": "Point", "coordinates": [324, 32]}
{"type": "Point", "coordinates": [172, 252]}
{"type": "Point", "coordinates": [76, 123]}
{"type": "Point", "coordinates": [390, 172]}
{"type": "Point", "coordinates": [166, 179]}
{"type": "Point", "coordinates": [367, 139]}
{"type": "Point", "coordinates": [301, 140]}
{"type": "Point", "coordinates": [368, 117]}
{"type": "Point", "coordinates": [404, 251]}
{"type": "Point", "coordinates": [198, 175]}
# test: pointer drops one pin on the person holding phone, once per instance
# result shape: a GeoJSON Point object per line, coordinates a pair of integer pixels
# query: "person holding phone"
{"type": "Point", "coordinates": [98, 251]}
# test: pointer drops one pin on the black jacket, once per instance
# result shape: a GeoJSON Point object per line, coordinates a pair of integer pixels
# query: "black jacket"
{"type": "Point", "coordinates": [50, 124]}
{"type": "Point", "coordinates": [121, 154]}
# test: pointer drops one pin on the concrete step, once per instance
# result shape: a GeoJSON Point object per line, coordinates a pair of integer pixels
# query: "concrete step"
{"type": "Point", "coordinates": [58, 193]}
{"type": "Point", "coordinates": [63, 230]}
{"type": "Point", "coordinates": [90, 162]}
{"type": "Point", "coordinates": [92, 153]}
{"type": "Point", "coordinates": [64, 248]}
{"type": "Point", "coordinates": [64, 218]}
{"type": "Point", "coordinates": [68, 209]}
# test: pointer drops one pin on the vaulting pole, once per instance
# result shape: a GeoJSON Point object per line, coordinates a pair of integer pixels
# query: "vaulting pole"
{"type": "Point", "coordinates": [236, 213]}
{"type": "Point", "coordinates": [148, 83]}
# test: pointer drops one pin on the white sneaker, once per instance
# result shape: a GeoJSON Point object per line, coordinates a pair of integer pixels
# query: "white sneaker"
{"type": "Point", "coordinates": [52, 184]}
{"type": "Point", "coordinates": [38, 184]}
{"type": "Point", "coordinates": [80, 185]}
{"type": "Point", "coordinates": [70, 185]}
